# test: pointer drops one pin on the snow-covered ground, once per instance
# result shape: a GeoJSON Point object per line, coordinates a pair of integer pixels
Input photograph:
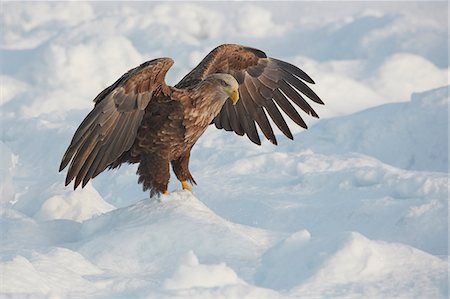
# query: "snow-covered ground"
{"type": "Point", "coordinates": [355, 207]}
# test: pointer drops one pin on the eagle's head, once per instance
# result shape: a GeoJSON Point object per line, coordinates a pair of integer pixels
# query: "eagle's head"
{"type": "Point", "coordinates": [226, 85]}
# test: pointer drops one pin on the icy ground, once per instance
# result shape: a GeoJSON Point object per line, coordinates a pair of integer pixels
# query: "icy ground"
{"type": "Point", "coordinates": [354, 207]}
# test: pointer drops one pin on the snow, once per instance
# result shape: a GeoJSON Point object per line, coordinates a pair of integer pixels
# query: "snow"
{"type": "Point", "coordinates": [391, 133]}
{"type": "Point", "coordinates": [192, 274]}
{"type": "Point", "coordinates": [360, 86]}
{"type": "Point", "coordinates": [355, 207]}
{"type": "Point", "coordinates": [58, 271]}
{"type": "Point", "coordinates": [257, 22]}
{"type": "Point", "coordinates": [176, 246]}
{"type": "Point", "coordinates": [348, 264]}
{"type": "Point", "coordinates": [8, 163]}
{"type": "Point", "coordinates": [78, 205]}
{"type": "Point", "coordinates": [14, 87]}
{"type": "Point", "coordinates": [365, 268]}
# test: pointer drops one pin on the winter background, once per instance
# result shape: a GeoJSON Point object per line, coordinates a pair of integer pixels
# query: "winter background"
{"type": "Point", "coordinates": [356, 206]}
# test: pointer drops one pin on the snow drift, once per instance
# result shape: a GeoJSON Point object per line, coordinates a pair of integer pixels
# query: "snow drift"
{"type": "Point", "coordinates": [179, 247]}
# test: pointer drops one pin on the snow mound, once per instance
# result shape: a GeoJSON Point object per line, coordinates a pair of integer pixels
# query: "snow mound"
{"type": "Point", "coordinates": [349, 264]}
{"type": "Point", "coordinates": [365, 268]}
{"type": "Point", "coordinates": [78, 205]}
{"type": "Point", "coordinates": [192, 274]}
{"type": "Point", "coordinates": [147, 247]}
{"type": "Point", "coordinates": [334, 192]}
{"type": "Point", "coordinates": [176, 247]}
{"type": "Point", "coordinates": [409, 135]}
{"type": "Point", "coordinates": [48, 274]}
{"type": "Point", "coordinates": [128, 239]}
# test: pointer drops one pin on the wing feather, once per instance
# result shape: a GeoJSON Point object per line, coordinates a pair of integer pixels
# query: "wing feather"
{"type": "Point", "coordinates": [287, 107]}
{"type": "Point", "coordinates": [249, 90]}
{"type": "Point", "coordinates": [125, 126]}
{"type": "Point", "coordinates": [292, 69]}
{"type": "Point", "coordinates": [83, 173]}
{"type": "Point", "coordinates": [234, 120]}
{"type": "Point", "coordinates": [217, 122]}
{"type": "Point", "coordinates": [264, 83]}
{"type": "Point", "coordinates": [301, 86]}
{"type": "Point", "coordinates": [297, 98]}
{"type": "Point", "coordinates": [278, 119]}
{"type": "Point", "coordinates": [225, 121]}
{"type": "Point", "coordinates": [248, 123]}
{"type": "Point", "coordinates": [110, 128]}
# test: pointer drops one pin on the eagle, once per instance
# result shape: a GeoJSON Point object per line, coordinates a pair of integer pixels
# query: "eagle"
{"type": "Point", "coordinates": [141, 119]}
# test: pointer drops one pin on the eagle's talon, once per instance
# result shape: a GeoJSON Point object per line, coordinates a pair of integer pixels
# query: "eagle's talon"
{"type": "Point", "coordinates": [186, 186]}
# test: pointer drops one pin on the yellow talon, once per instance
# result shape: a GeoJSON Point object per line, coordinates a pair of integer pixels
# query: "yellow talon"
{"type": "Point", "coordinates": [186, 186]}
{"type": "Point", "coordinates": [166, 192]}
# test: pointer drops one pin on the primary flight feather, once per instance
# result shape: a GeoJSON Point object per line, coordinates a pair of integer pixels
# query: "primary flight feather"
{"type": "Point", "coordinates": [140, 119]}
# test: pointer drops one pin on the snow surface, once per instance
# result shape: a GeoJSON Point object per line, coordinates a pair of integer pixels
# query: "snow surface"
{"type": "Point", "coordinates": [355, 207]}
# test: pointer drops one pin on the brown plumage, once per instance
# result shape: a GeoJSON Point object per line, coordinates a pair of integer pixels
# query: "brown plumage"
{"type": "Point", "coordinates": [139, 119]}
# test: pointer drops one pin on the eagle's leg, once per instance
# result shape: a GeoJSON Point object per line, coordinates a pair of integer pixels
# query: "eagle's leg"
{"type": "Point", "coordinates": [181, 170]}
{"type": "Point", "coordinates": [154, 174]}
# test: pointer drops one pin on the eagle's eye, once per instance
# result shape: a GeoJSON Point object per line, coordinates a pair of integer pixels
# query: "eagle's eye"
{"type": "Point", "coordinates": [222, 82]}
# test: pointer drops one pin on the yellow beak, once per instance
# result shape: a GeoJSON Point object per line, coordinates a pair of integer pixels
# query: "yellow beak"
{"type": "Point", "coordinates": [234, 96]}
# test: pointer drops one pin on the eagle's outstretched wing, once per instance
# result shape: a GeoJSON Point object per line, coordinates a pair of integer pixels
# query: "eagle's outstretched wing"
{"type": "Point", "coordinates": [110, 128]}
{"type": "Point", "coordinates": [264, 85]}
